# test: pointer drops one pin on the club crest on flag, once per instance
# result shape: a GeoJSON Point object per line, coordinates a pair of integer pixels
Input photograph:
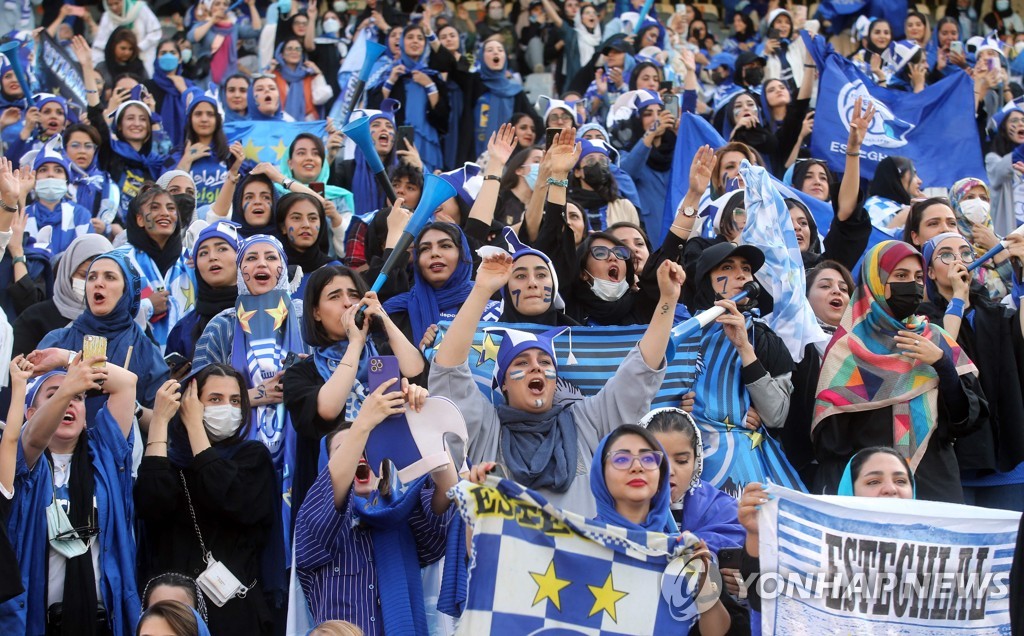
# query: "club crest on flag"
{"type": "Point", "coordinates": [886, 130]}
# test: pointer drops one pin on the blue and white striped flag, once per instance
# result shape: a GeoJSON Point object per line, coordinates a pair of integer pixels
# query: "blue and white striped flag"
{"type": "Point", "coordinates": [536, 569]}
{"type": "Point", "coordinates": [770, 228]}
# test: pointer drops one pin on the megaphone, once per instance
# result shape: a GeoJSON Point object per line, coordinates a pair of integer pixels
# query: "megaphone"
{"type": "Point", "coordinates": [435, 192]}
{"type": "Point", "coordinates": [687, 328]}
{"type": "Point", "coordinates": [373, 53]}
{"type": "Point", "coordinates": [1000, 246]}
{"type": "Point", "coordinates": [10, 51]}
{"type": "Point", "coordinates": [359, 132]}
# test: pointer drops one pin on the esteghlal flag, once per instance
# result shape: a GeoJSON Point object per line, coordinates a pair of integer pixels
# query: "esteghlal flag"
{"type": "Point", "coordinates": [269, 140]}
{"type": "Point", "coordinates": [934, 128]}
{"type": "Point", "coordinates": [733, 455]}
{"type": "Point", "coordinates": [864, 565]}
{"type": "Point", "coordinates": [536, 569]}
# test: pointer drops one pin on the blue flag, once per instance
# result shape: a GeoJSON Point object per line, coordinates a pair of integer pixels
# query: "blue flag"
{"type": "Point", "coordinates": [694, 132]}
{"type": "Point", "coordinates": [733, 455]}
{"type": "Point", "coordinates": [269, 140]}
{"type": "Point", "coordinates": [536, 569]}
{"type": "Point", "coordinates": [932, 128]}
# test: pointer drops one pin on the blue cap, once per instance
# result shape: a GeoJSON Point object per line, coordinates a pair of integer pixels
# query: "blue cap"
{"type": "Point", "coordinates": [514, 342]}
{"type": "Point", "coordinates": [466, 181]}
{"type": "Point", "coordinates": [37, 383]}
{"type": "Point", "coordinates": [53, 152]}
{"type": "Point", "coordinates": [596, 146]}
{"type": "Point", "coordinates": [227, 230]}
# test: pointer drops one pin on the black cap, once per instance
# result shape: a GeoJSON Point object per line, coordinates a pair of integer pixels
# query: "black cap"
{"type": "Point", "coordinates": [711, 257]}
{"type": "Point", "coordinates": [748, 57]}
{"type": "Point", "coordinates": [617, 42]}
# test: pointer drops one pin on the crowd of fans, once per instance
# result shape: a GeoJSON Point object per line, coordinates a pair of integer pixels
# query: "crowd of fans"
{"type": "Point", "coordinates": [222, 428]}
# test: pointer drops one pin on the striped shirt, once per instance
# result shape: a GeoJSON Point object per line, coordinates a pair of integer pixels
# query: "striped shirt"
{"type": "Point", "coordinates": [335, 561]}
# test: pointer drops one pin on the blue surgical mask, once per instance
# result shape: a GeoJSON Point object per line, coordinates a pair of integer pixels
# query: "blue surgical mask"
{"type": "Point", "coordinates": [51, 189]}
{"type": "Point", "coordinates": [186, 56]}
{"type": "Point", "coordinates": [284, 7]}
{"type": "Point", "coordinates": [167, 62]}
{"type": "Point", "coordinates": [531, 176]}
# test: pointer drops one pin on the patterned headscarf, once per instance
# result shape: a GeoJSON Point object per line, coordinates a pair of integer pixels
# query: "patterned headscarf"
{"type": "Point", "coordinates": [987, 274]}
{"type": "Point", "coordinates": [863, 369]}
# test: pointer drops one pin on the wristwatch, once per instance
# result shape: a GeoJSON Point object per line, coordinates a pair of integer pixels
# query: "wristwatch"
{"type": "Point", "coordinates": [19, 259]}
{"type": "Point", "coordinates": [689, 211]}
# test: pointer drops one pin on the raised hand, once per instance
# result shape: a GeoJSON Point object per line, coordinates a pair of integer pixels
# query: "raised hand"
{"type": "Point", "coordinates": [238, 153]}
{"type": "Point", "coordinates": [21, 370]}
{"type": "Point", "coordinates": [700, 169]}
{"type": "Point", "coordinates": [860, 122]}
{"type": "Point", "coordinates": [501, 144]}
{"type": "Point", "coordinates": [494, 272]}
{"type": "Point", "coordinates": [167, 401]}
{"type": "Point", "coordinates": [9, 186]}
{"type": "Point", "coordinates": [564, 152]}
{"type": "Point", "coordinates": [671, 277]}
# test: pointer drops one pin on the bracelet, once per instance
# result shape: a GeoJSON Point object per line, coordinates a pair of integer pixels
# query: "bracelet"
{"type": "Point", "coordinates": [342, 362]}
{"type": "Point", "coordinates": [388, 86]}
{"type": "Point", "coordinates": [71, 358]}
{"type": "Point", "coordinates": [681, 228]}
{"type": "Point", "coordinates": [91, 92]}
{"type": "Point", "coordinates": [810, 66]}
{"type": "Point", "coordinates": [432, 37]}
{"type": "Point", "coordinates": [956, 308]}
{"type": "Point", "coordinates": [853, 154]}
{"type": "Point", "coordinates": [492, 177]}
{"type": "Point", "coordinates": [8, 208]}
{"type": "Point", "coordinates": [19, 259]}
{"type": "Point", "coordinates": [561, 183]}
{"type": "Point", "coordinates": [432, 89]}
{"type": "Point", "coordinates": [148, 444]}
{"type": "Point", "coordinates": [286, 183]}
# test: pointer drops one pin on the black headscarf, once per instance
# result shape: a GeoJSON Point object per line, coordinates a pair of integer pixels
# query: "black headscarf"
{"type": "Point", "coordinates": [888, 180]}
{"type": "Point", "coordinates": [313, 258]}
{"type": "Point", "coordinates": [114, 68]}
{"type": "Point", "coordinates": [587, 306]}
{"type": "Point", "coordinates": [245, 230]}
{"type": "Point", "coordinates": [164, 257]}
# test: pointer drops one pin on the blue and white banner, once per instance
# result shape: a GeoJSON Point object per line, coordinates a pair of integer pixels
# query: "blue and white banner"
{"type": "Point", "coordinates": [269, 140]}
{"type": "Point", "coordinates": [934, 128]}
{"type": "Point", "coordinates": [538, 570]}
{"type": "Point", "coordinates": [860, 565]}
{"type": "Point", "coordinates": [733, 455]}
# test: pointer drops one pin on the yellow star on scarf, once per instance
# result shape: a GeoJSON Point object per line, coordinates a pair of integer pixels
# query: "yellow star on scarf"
{"type": "Point", "coordinates": [488, 350]}
{"type": "Point", "coordinates": [548, 586]}
{"type": "Point", "coordinates": [280, 149]}
{"type": "Point", "coordinates": [252, 151]}
{"type": "Point", "coordinates": [243, 317]}
{"type": "Point", "coordinates": [279, 313]}
{"type": "Point", "coordinates": [188, 290]}
{"type": "Point", "coordinates": [605, 598]}
{"type": "Point", "coordinates": [755, 439]}
{"type": "Point", "coordinates": [728, 425]}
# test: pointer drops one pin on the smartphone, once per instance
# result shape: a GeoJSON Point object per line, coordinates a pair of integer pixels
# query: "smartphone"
{"type": "Point", "coordinates": [175, 361]}
{"type": "Point", "coordinates": [318, 187]}
{"type": "Point", "coordinates": [552, 133]}
{"type": "Point", "coordinates": [992, 63]}
{"type": "Point", "coordinates": [665, 86]}
{"type": "Point", "coordinates": [291, 358]}
{"type": "Point", "coordinates": [671, 103]}
{"type": "Point", "coordinates": [94, 347]}
{"type": "Point", "coordinates": [773, 34]}
{"type": "Point", "coordinates": [406, 133]}
{"type": "Point", "coordinates": [382, 369]}
{"type": "Point", "coordinates": [956, 46]}
{"type": "Point", "coordinates": [730, 558]}
{"type": "Point", "coordinates": [391, 439]}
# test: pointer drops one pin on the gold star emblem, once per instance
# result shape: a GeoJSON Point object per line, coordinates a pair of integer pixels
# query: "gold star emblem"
{"type": "Point", "coordinates": [728, 425]}
{"type": "Point", "coordinates": [189, 292]}
{"type": "Point", "coordinates": [280, 149]}
{"type": "Point", "coordinates": [605, 598]}
{"type": "Point", "coordinates": [488, 350]}
{"type": "Point", "coordinates": [548, 586]}
{"type": "Point", "coordinates": [243, 317]}
{"type": "Point", "coordinates": [755, 439]}
{"type": "Point", "coordinates": [252, 151]}
{"type": "Point", "coordinates": [279, 313]}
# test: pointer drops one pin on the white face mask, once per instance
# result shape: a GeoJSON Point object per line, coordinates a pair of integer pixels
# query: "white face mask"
{"type": "Point", "coordinates": [496, 13]}
{"type": "Point", "coordinates": [340, 6]}
{"type": "Point", "coordinates": [51, 189]}
{"type": "Point", "coordinates": [975, 210]}
{"type": "Point", "coordinates": [221, 421]}
{"type": "Point", "coordinates": [607, 290]}
{"type": "Point", "coordinates": [78, 288]}
{"type": "Point", "coordinates": [331, 26]}
{"type": "Point", "coordinates": [1002, 5]}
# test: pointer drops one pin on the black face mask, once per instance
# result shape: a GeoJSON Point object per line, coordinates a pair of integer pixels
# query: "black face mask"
{"type": "Point", "coordinates": [904, 299]}
{"type": "Point", "coordinates": [185, 204]}
{"type": "Point", "coordinates": [720, 76]}
{"type": "Point", "coordinates": [753, 76]}
{"type": "Point", "coordinates": [596, 175]}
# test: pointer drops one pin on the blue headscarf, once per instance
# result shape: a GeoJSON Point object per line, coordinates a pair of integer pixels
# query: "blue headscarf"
{"type": "Point", "coordinates": [846, 483]}
{"type": "Point", "coordinates": [295, 100]}
{"type": "Point", "coordinates": [659, 518]}
{"type": "Point", "coordinates": [153, 161]}
{"type": "Point", "coordinates": [416, 106]}
{"type": "Point", "coordinates": [368, 196]}
{"type": "Point", "coordinates": [423, 303]}
{"type": "Point", "coordinates": [500, 97]}
{"type": "Point", "coordinates": [254, 113]}
{"type": "Point", "coordinates": [172, 108]}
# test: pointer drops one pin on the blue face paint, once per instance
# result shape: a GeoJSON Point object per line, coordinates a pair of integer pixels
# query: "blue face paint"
{"type": "Point", "coordinates": [550, 374]}
{"type": "Point", "coordinates": [515, 296]}
{"type": "Point", "coordinates": [517, 374]}
{"type": "Point", "coordinates": [547, 294]}
{"type": "Point", "coordinates": [725, 282]}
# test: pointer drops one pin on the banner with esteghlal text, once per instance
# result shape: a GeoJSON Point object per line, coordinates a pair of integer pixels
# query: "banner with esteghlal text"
{"type": "Point", "coordinates": [859, 565]}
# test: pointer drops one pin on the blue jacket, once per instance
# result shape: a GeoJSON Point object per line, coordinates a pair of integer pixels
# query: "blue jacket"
{"type": "Point", "coordinates": [33, 491]}
{"type": "Point", "coordinates": [711, 514]}
{"type": "Point", "coordinates": [651, 185]}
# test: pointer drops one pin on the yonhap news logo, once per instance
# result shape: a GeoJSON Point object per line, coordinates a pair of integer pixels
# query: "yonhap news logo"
{"type": "Point", "coordinates": [886, 129]}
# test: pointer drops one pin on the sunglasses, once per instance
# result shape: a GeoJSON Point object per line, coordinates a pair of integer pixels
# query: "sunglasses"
{"type": "Point", "coordinates": [966, 256]}
{"type": "Point", "coordinates": [623, 460]}
{"type": "Point", "coordinates": [84, 533]}
{"type": "Point", "coordinates": [602, 253]}
{"type": "Point", "coordinates": [78, 145]}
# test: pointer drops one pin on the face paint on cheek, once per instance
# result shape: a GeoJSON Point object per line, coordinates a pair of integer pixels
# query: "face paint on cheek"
{"type": "Point", "coordinates": [547, 294]}
{"type": "Point", "coordinates": [515, 296]}
{"type": "Point", "coordinates": [518, 374]}
{"type": "Point", "coordinates": [280, 272]}
{"type": "Point", "coordinates": [147, 218]}
{"type": "Point", "coordinates": [724, 280]}
{"type": "Point", "coordinates": [550, 374]}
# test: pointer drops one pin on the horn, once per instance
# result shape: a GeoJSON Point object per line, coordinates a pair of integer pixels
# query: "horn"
{"type": "Point", "coordinates": [1000, 246]}
{"type": "Point", "coordinates": [373, 53]}
{"type": "Point", "coordinates": [10, 51]}
{"type": "Point", "coordinates": [682, 332]}
{"type": "Point", "coordinates": [644, 12]}
{"type": "Point", "coordinates": [435, 192]}
{"type": "Point", "coordinates": [359, 132]}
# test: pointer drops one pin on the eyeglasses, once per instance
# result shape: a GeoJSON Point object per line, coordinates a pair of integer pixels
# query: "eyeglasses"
{"type": "Point", "coordinates": [559, 117]}
{"type": "Point", "coordinates": [623, 460]}
{"type": "Point", "coordinates": [293, 49]}
{"type": "Point", "coordinates": [78, 145]}
{"type": "Point", "coordinates": [602, 253]}
{"type": "Point", "coordinates": [966, 256]}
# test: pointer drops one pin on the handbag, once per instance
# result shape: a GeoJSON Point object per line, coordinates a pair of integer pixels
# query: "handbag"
{"type": "Point", "coordinates": [217, 582]}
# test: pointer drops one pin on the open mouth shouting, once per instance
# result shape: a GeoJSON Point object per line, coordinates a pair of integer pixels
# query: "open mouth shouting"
{"type": "Point", "coordinates": [98, 299]}
{"type": "Point", "coordinates": [615, 273]}
{"type": "Point", "coordinates": [363, 473]}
